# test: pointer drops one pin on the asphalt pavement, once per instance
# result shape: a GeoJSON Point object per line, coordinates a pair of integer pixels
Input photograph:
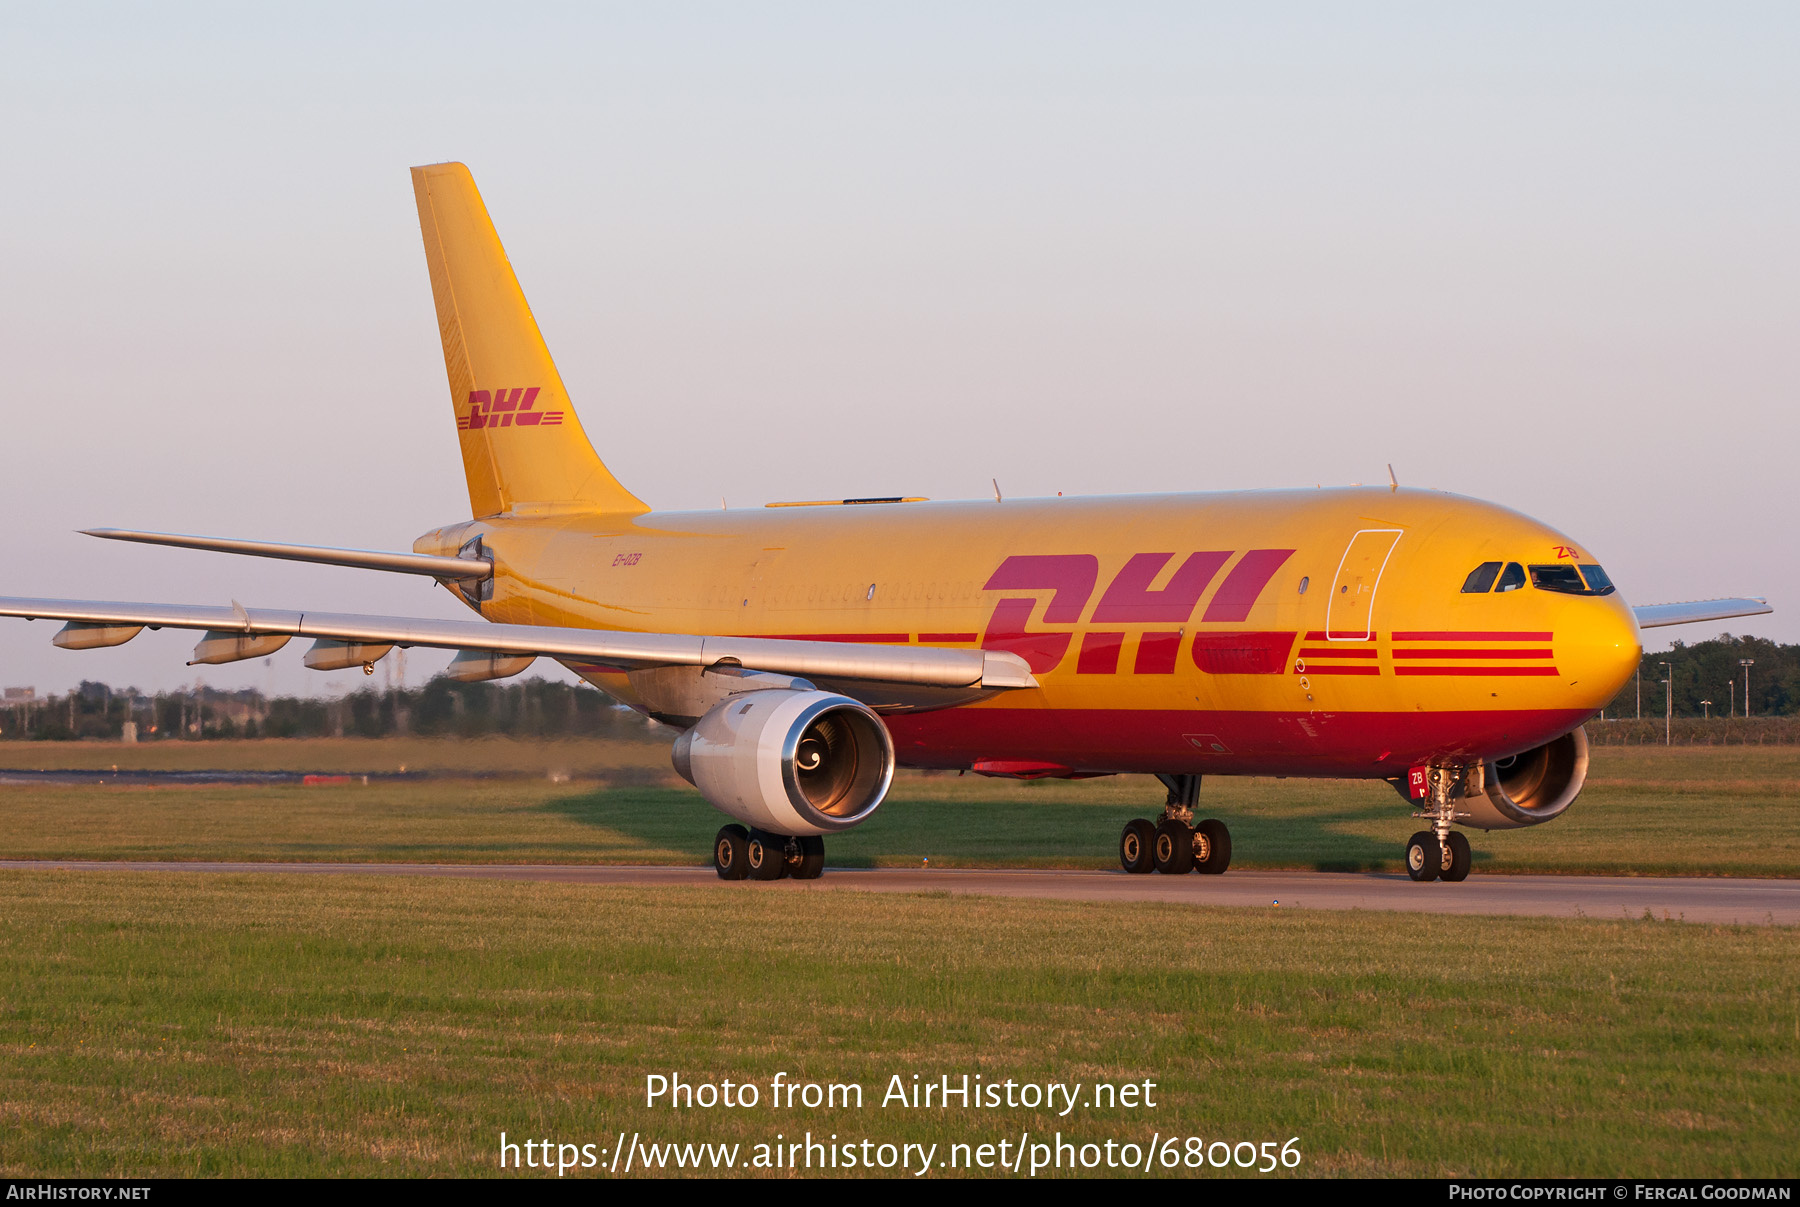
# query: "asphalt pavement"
{"type": "Point", "coordinates": [1678, 899]}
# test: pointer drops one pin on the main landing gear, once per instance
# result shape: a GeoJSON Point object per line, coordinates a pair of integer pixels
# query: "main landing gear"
{"type": "Point", "coordinates": [1440, 853]}
{"type": "Point", "coordinates": [740, 854]}
{"type": "Point", "coordinates": [1174, 844]}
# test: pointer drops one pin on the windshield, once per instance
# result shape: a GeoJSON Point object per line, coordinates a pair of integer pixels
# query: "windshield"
{"type": "Point", "coordinates": [1511, 578]}
{"type": "Point", "coordinates": [1597, 581]}
{"type": "Point", "coordinates": [1564, 580]}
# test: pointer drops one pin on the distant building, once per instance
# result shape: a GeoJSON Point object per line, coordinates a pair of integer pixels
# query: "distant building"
{"type": "Point", "coordinates": [20, 695]}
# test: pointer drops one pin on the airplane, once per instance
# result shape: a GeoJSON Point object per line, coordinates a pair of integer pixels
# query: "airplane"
{"type": "Point", "coordinates": [1451, 647]}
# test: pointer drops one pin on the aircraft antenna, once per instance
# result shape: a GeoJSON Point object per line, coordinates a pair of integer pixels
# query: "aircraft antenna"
{"type": "Point", "coordinates": [1392, 478]}
{"type": "Point", "coordinates": [996, 483]}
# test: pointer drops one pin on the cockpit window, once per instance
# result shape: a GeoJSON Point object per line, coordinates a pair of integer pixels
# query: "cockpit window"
{"type": "Point", "coordinates": [1597, 581]}
{"type": "Point", "coordinates": [1481, 579]}
{"type": "Point", "coordinates": [1511, 578]}
{"type": "Point", "coordinates": [1562, 579]}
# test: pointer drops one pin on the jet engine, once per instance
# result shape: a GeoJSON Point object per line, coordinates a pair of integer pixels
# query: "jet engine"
{"type": "Point", "coordinates": [1529, 788]}
{"type": "Point", "coordinates": [789, 762]}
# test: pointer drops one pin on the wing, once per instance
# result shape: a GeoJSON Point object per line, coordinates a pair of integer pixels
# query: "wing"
{"type": "Point", "coordinates": [914, 673]}
{"type": "Point", "coordinates": [1652, 616]}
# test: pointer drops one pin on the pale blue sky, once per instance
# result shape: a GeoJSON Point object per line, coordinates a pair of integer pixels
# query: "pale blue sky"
{"type": "Point", "coordinates": [1540, 254]}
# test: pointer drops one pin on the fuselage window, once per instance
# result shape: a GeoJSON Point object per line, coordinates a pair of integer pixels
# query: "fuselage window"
{"type": "Point", "coordinates": [1481, 579]}
{"type": "Point", "coordinates": [1562, 579]}
{"type": "Point", "coordinates": [1511, 578]}
{"type": "Point", "coordinates": [1597, 581]}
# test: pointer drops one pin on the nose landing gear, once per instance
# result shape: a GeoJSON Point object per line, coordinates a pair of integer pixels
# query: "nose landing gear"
{"type": "Point", "coordinates": [1174, 844]}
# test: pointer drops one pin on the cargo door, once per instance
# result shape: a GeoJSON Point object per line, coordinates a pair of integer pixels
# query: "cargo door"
{"type": "Point", "coordinates": [1351, 614]}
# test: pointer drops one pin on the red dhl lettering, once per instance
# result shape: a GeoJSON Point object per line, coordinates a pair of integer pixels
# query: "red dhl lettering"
{"type": "Point", "coordinates": [1071, 578]}
{"type": "Point", "coordinates": [506, 408]}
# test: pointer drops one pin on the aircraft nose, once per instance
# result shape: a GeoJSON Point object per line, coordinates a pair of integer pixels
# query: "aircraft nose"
{"type": "Point", "coordinates": [1603, 649]}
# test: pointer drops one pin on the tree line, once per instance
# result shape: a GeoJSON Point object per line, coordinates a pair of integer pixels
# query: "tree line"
{"type": "Point", "coordinates": [530, 708]}
{"type": "Point", "coordinates": [1707, 680]}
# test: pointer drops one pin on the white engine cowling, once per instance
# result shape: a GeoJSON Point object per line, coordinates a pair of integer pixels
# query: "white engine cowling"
{"type": "Point", "coordinates": [1529, 788]}
{"type": "Point", "coordinates": [789, 762]}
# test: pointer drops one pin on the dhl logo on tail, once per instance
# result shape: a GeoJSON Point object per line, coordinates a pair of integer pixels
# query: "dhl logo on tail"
{"type": "Point", "coordinates": [506, 408]}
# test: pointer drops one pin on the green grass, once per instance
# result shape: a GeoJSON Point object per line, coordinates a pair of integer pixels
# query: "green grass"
{"type": "Point", "coordinates": [232, 1025]}
{"type": "Point", "coordinates": [1692, 811]}
{"type": "Point", "coordinates": [645, 756]}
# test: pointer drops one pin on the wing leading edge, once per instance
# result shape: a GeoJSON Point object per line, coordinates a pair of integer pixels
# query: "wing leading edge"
{"type": "Point", "coordinates": [912, 666]}
{"type": "Point", "coordinates": [1652, 616]}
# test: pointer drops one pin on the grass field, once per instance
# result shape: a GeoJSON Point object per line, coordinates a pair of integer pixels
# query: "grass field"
{"type": "Point", "coordinates": [581, 758]}
{"type": "Point", "coordinates": [180, 1024]}
{"type": "Point", "coordinates": [1646, 811]}
{"type": "Point", "coordinates": [183, 1024]}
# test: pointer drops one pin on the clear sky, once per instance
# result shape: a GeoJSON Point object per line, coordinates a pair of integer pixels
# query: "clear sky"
{"type": "Point", "coordinates": [1544, 254]}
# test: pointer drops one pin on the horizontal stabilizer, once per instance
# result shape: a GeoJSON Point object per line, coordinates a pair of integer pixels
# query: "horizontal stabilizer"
{"type": "Point", "coordinates": [364, 559]}
{"type": "Point", "coordinates": [1652, 616]}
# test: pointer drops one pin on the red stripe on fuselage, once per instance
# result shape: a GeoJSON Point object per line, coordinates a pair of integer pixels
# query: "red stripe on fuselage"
{"type": "Point", "coordinates": [1349, 744]}
{"type": "Point", "coordinates": [1429, 653]}
{"type": "Point", "coordinates": [1447, 636]}
{"type": "Point", "coordinates": [867, 638]}
{"type": "Point", "coordinates": [1475, 670]}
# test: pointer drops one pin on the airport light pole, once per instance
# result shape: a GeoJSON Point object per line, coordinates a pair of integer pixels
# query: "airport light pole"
{"type": "Point", "coordinates": [1746, 663]}
{"type": "Point", "coordinates": [1706, 706]}
{"type": "Point", "coordinates": [1731, 698]}
{"type": "Point", "coordinates": [1668, 704]}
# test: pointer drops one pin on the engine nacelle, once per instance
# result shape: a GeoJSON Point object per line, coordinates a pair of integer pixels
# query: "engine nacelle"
{"type": "Point", "coordinates": [329, 655]}
{"type": "Point", "coordinates": [789, 762]}
{"type": "Point", "coordinates": [1530, 788]}
{"type": "Point", "coordinates": [218, 647]}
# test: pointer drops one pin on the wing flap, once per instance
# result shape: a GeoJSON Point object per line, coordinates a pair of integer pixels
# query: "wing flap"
{"type": "Point", "coordinates": [920, 666]}
{"type": "Point", "coordinates": [1651, 616]}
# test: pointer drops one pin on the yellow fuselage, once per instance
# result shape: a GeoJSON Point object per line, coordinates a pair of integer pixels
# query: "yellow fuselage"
{"type": "Point", "coordinates": [1313, 632]}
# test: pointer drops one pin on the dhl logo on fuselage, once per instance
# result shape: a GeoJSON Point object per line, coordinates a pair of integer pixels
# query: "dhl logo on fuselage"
{"type": "Point", "coordinates": [506, 408]}
{"type": "Point", "coordinates": [1129, 600]}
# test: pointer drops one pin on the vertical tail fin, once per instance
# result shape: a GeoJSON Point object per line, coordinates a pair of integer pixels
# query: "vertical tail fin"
{"type": "Point", "coordinates": [522, 445]}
